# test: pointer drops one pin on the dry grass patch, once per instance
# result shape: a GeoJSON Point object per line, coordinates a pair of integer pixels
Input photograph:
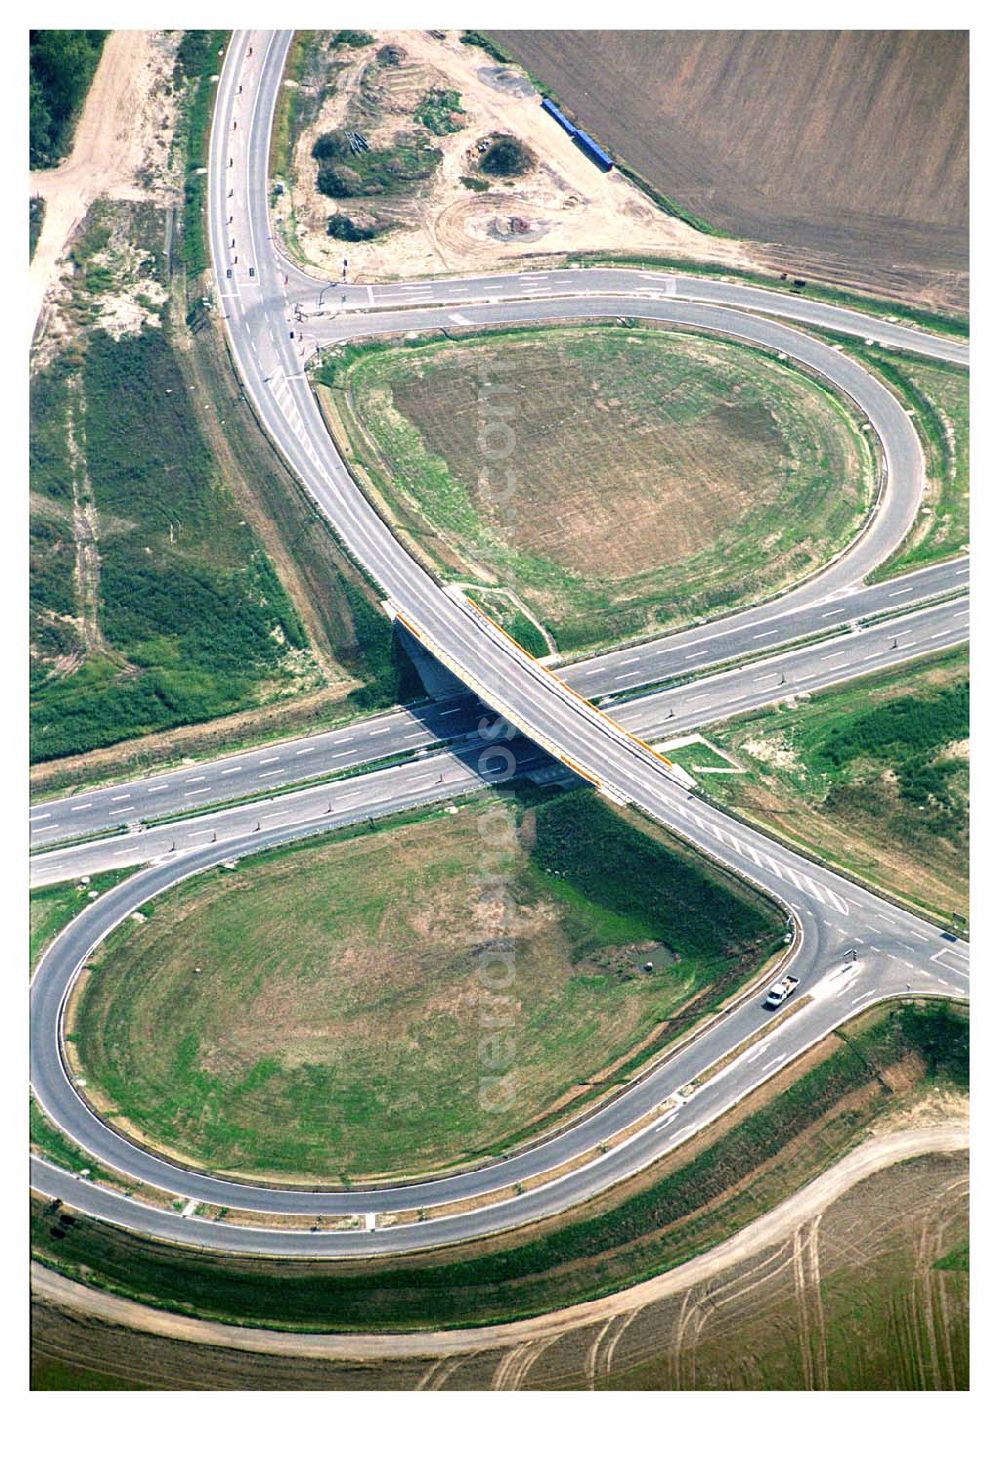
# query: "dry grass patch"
{"type": "Point", "coordinates": [327, 1012]}
{"type": "Point", "coordinates": [645, 478]}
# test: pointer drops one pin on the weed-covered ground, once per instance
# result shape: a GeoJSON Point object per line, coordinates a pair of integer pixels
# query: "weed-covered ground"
{"type": "Point", "coordinates": [412, 996]}
{"type": "Point", "coordinates": [873, 776]}
{"type": "Point", "coordinates": [619, 480]}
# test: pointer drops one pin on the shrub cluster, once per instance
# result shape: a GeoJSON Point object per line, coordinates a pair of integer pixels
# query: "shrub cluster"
{"type": "Point", "coordinates": [61, 65]}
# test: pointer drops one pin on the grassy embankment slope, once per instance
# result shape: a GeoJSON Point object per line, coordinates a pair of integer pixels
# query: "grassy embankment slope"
{"type": "Point", "coordinates": [894, 1058]}
{"type": "Point", "coordinates": [326, 1012]}
{"type": "Point", "coordinates": [938, 395]}
{"type": "Point", "coordinates": [873, 776]}
{"type": "Point", "coordinates": [635, 479]}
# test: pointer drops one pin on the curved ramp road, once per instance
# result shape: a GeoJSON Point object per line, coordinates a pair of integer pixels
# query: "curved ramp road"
{"type": "Point", "coordinates": [896, 952]}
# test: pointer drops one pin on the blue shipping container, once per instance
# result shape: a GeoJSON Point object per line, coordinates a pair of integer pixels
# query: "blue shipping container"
{"type": "Point", "coordinates": [549, 107]}
{"type": "Point", "coordinates": [593, 151]}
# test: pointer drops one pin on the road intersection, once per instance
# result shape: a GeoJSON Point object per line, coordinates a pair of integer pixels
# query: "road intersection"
{"type": "Point", "coordinates": [263, 298]}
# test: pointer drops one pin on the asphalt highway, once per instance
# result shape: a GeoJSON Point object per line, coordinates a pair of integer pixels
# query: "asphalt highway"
{"type": "Point", "coordinates": [896, 952]}
{"type": "Point", "coordinates": [194, 786]}
{"type": "Point", "coordinates": [441, 775]}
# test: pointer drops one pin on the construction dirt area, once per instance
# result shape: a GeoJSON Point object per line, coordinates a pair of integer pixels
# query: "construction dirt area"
{"type": "Point", "coordinates": [458, 219]}
{"type": "Point", "coordinates": [121, 150]}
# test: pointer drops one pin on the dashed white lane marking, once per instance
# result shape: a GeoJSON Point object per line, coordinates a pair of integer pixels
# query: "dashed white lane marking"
{"type": "Point", "coordinates": [264, 762]}
{"type": "Point", "coordinates": [45, 815]}
{"type": "Point", "coordinates": [81, 807]}
{"type": "Point", "coordinates": [234, 770]}
{"type": "Point", "coordinates": [53, 826]}
{"type": "Point", "coordinates": [195, 779]}
{"type": "Point", "coordinates": [310, 749]}
{"type": "Point", "coordinates": [204, 790]}
{"type": "Point", "coordinates": [126, 809]}
{"type": "Point", "coordinates": [155, 788]}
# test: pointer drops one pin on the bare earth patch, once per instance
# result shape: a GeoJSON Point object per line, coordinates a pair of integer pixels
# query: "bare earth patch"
{"type": "Point", "coordinates": [564, 205]}
{"type": "Point", "coordinates": [648, 477]}
{"type": "Point", "coordinates": [120, 149]}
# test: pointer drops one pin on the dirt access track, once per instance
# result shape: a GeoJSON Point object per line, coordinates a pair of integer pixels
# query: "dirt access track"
{"type": "Point", "coordinates": [522, 1338]}
{"type": "Point", "coordinates": [109, 149]}
{"type": "Point", "coordinates": [565, 202]}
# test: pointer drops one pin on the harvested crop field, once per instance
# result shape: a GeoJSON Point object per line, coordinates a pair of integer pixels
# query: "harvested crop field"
{"type": "Point", "coordinates": [619, 481]}
{"type": "Point", "coordinates": [335, 1010]}
{"type": "Point", "coordinates": [848, 149]}
{"type": "Point", "coordinates": [895, 1315]}
{"type": "Point", "coordinates": [900, 1073]}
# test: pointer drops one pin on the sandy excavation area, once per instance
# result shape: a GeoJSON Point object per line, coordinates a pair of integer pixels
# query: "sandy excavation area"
{"type": "Point", "coordinates": [120, 149]}
{"type": "Point", "coordinates": [564, 204]}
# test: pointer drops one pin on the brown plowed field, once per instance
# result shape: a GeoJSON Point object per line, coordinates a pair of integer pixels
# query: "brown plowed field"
{"type": "Point", "coordinates": [849, 150]}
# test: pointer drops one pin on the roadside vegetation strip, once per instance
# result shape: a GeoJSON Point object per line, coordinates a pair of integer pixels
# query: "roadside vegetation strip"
{"type": "Point", "coordinates": [871, 776]}
{"type": "Point", "coordinates": [913, 1322]}
{"type": "Point", "coordinates": [325, 1015]}
{"type": "Point", "coordinates": [784, 1135]}
{"type": "Point", "coordinates": [293, 106]}
{"type": "Point", "coordinates": [937, 396]}
{"type": "Point", "coordinates": [679, 511]}
{"type": "Point", "coordinates": [51, 908]}
{"type": "Point", "coordinates": [199, 61]}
